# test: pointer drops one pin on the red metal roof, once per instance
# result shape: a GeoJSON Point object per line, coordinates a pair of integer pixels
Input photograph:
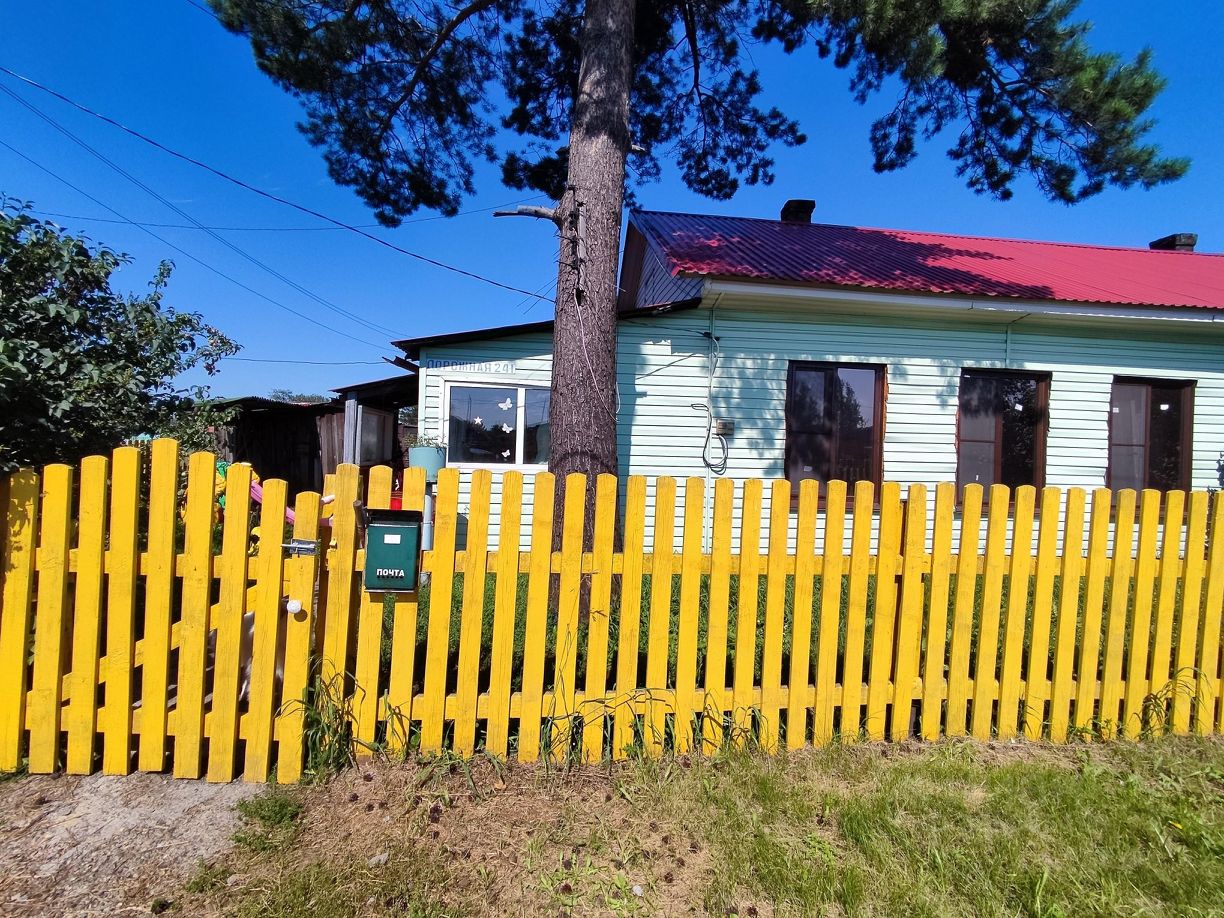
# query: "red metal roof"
{"type": "Point", "coordinates": [931, 263]}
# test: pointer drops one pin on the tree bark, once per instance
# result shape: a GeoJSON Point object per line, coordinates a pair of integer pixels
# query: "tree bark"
{"type": "Point", "coordinates": [582, 412]}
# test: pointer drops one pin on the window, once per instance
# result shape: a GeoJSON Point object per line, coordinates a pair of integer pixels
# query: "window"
{"type": "Point", "coordinates": [497, 425]}
{"type": "Point", "coordinates": [1001, 433]}
{"type": "Point", "coordinates": [377, 432]}
{"type": "Point", "coordinates": [834, 422]}
{"type": "Point", "coordinates": [1150, 434]}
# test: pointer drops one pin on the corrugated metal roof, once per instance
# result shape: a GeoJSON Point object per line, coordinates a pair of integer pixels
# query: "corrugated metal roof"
{"type": "Point", "coordinates": [931, 263]}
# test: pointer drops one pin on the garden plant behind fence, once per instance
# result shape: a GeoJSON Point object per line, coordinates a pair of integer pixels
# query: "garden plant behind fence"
{"type": "Point", "coordinates": [145, 627]}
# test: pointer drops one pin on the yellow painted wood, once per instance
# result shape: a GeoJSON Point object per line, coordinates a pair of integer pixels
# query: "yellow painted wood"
{"type": "Point", "coordinates": [81, 718]}
{"type": "Point", "coordinates": [1119, 600]}
{"type": "Point", "coordinates": [441, 586]}
{"type": "Point", "coordinates": [50, 619]}
{"type": "Point", "coordinates": [690, 599]}
{"type": "Point", "coordinates": [21, 520]}
{"type": "Point", "coordinates": [985, 684]}
{"type": "Point", "coordinates": [1017, 606]}
{"type": "Point", "coordinates": [717, 698]}
{"type": "Point", "coordinates": [227, 618]}
{"type": "Point", "coordinates": [472, 612]}
{"type": "Point", "coordinates": [122, 568]}
{"type": "Point", "coordinates": [1090, 639]}
{"type": "Point", "coordinates": [1135, 686]}
{"type": "Point", "coordinates": [884, 623]}
{"type": "Point", "coordinates": [933, 680]}
{"type": "Point", "coordinates": [565, 669]}
{"type": "Point", "coordinates": [833, 566]}
{"type": "Point", "coordinates": [536, 625]}
{"type": "Point", "coordinates": [301, 575]}
{"type": "Point", "coordinates": [270, 608]}
{"type": "Point", "coordinates": [367, 694]}
{"type": "Point", "coordinates": [909, 622]}
{"type": "Point", "coordinates": [799, 675]}
{"type": "Point", "coordinates": [630, 621]}
{"type": "Point", "coordinates": [1071, 574]}
{"type": "Point", "coordinates": [1205, 719]}
{"type": "Point", "coordinates": [159, 583]}
{"type": "Point", "coordinates": [404, 630]}
{"type": "Point", "coordinates": [775, 603]}
{"type": "Point", "coordinates": [1036, 679]}
{"type": "Point", "coordinates": [1185, 667]}
{"type": "Point", "coordinates": [856, 610]}
{"type": "Point", "coordinates": [341, 562]}
{"type": "Point", "coordinates": [1166, 599]}
{"type": "Point", "coordinates": [746, 618]}
{"type": "Point", "coordinates": [501, 663]}
{"type": "Point", "coordinates": [188, 719]}
{"type": "Point", "coordinates": [596, 689]}
{"type": "Point", "coordinates": [662, 566]}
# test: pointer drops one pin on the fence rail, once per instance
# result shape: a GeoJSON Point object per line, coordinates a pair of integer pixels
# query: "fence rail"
{"type": "Point", "coordinates": [143, 627]}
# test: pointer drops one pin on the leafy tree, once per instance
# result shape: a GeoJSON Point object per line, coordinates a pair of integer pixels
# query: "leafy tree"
{"type": "Point", "coordinates": [300, 398]}
{"type": "Point", "coordinates": [406, 96]}
{"type": "Point", "coordinates": [83, 367]}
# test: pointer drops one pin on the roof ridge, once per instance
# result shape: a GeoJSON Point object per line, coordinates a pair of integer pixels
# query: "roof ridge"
{"type": "Point", "coordinates": [884, 229]}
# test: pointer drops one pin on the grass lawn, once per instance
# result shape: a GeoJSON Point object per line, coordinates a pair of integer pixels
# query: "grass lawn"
{"type": "Point", "coordinates": [951, 829]}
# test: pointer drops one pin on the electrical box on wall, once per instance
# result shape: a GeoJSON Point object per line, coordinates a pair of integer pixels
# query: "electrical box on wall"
{"type": "Point", "coordinates": [393, 551]}
{"type": "Point", "coordinates": [724, 427]}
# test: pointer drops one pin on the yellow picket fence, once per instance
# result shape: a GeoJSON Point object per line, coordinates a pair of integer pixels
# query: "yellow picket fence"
{"type": "Point", "coordinates": [138, 632]}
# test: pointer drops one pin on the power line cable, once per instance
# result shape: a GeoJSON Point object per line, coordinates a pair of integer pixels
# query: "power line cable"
{"type": "Point", "coordinates": [313, 363]}
{"type": "Point", "coordinates": [186, 254]}
{"type": "Point", "coordinates": [372, 326]}
{"type": "Point", "coordinates": [266, 194]}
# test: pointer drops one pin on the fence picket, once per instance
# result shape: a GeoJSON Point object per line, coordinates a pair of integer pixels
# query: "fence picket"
{"type": "Point", "coordinates": [829, 628]}
{"type": "Point", "coordinates": [985, 684]}
{"type": "Point", "coordinates": [266, 636]}
{"type": "Point", "coordinates": [21, 520]}
{"type": "Point", "coordinates": [569, 598]}
{"type": "Point", "coordinates": [86, 634]}
{"type": "Point", "coordinates": [1017, 605]}
{"type": "Point", "coordinates": [404, 626]}
{"type": "Point", "coordinates": [717, 698]}
{"type": "Point", "coordinates": [856, 611]}
{"type": "Point", "coordinates": [1108, 715]}
{"type": "Point", "coordinates": [536, 624]}
{"type": "Point", "coordinates": [115, 718]}
{"type": "Point", "coordinates": [441, 586]}
{"type": "Point", "coordinates": [1037, 679]}
{"type": "Point", "coordinates": [659, 623]}
{"type": "Point", "coordinates": [1087, 685]}
{"type": "Point", "coordinates": [1213, 607]}
{"type": "Point", "coordinates": [1135, 680]}
{"type": "Point", "coordinates": [1186, 673]}
{"type": "Point", "coordinates": [501, 663]}
{"type": "Point", "coordinates": [160, 579]}
{"type": "Point", "coordinates": [301, 576]}
{"type": "Point", "coordinates": [934, 683]}
{"type": "Point", "coordinates": [335, 623]}
{"type": "Point", "coordinates": [798, 678]}
{"type": "Point", "coordinates": [884, 622]}
{"type": "Point", "coordinates": [775, 603]}
{"type": "Point", "coordinates": [746, 615]}
{"type": "Point", "coordinates": [596, 688]}
{"type": "Point", "coordinates": [366, 691]}
{"type": "Point", "coordinates": [629, 625]}
{"type": "Point", "coordinates": [471, 617]}
{"type": "Point", "coordinates": [687, 617]}
{"type": "Point", "coordinates": [1166, 599]}
{"type": "Point", "coordinates": [1062, 689]}
{"type": "Point", "coordinates": [909, 622]}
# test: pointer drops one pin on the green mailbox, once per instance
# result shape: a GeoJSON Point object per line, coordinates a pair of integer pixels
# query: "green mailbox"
{"type": "Point", "coordinates": [393, 551]}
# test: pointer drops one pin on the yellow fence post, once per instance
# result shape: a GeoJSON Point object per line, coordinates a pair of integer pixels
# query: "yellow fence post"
{"type": "Point", "coordinates": [659, 629]}
{"type": "Point", "coordinates": [856, 611]}
{"type": "Point", "coordinates": [1094, 597]}
{"type": "Point", "coordinates": [1109, 715]}
{"type": "Point", "coordinates": [934, 685]}
{"type": "Point", "coordinates": [1062, 689]}
{"type": "Point", "coordinates": [16, 590]}
{"type": "Point", "coordinates": [1213, 606]}
{"type": "Point", "coordinates": [82, 714]}
{"type": "Point", "coordinates": [1166, 599]}
{"type": "Point", "coordinates": [441, 586]}
{"type": "Point", "coordinates": [717, 699]}
{"type": "Point", "coordinates": [366, 691]}
{"type": "Point", "coordinates": [630, 621]}
{"type": "Point", "coordinates": [267, 637]}
{"type": "Point", "coordinates": [404, 626]}
{"type": "Point", "coordinates": [775, 604]}
{"type": "Point", "coordinates": [746, 618]}
{"type": "Point", "coordinates": [160, 578]}
{"type": "Point", "coordinates": [596, 705]}
{"type": "Point", "coordinates": [1037, 681]}
{"type": "Point", "coordinates": [1017, 610]}
{"type": "Point", "coordinates": [884, 623]}
{"type": "Point", "coordinates": [472, 613]}
{"type": "Point", "coordinates": [1185, 671]}
{"type": "Point", "coordinates": [565, 661]}
{"type": "Point", "coordinates": [798, 679]}
{"type": "Point", "coordinates": [909, 624]}
{"type": "Point", "coordinates": [501, 664]}
{"type": "Point", "coordinates": [985, 684]}
{"type": "Point", "coordinates": [536, 626]}
{"type": "Point", "coordinates": [123, 566]}
{"type": "Point", "coordinates": [302, 576]}
{"type": "Point", "coordinates": [968, 553]}
{"type": "Point", "coordinates": [690, 599]}
{"type": "Point", "coordinates": [341, 562]}
{"type": "Point", "coordinates": [1139, 634]}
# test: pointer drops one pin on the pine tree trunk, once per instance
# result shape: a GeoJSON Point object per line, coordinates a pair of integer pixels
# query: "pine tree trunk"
{"type": "Point", "coordinates": [582, 414]}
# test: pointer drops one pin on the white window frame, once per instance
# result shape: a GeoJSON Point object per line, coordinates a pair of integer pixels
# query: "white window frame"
{"type": "Point", "coordinates": [520, 422]}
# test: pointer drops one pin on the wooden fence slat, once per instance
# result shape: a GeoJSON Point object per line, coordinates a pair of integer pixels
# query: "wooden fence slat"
{"type": "Point", "coordinates": [717, 700]}
{"type": "Point", "coordinates": [404, 629]}
{"type": "Point", "coordinates": [1213, 607]}
{"type": "Point", "coordinates": [51, 623]}
{"type": "Point", "coordinates": [1036, 679]}
{"type": "Point", "coordinates": [269, 634]}
{"type": "Point", "coordinates": [1017, 607]}
{"type": "Point", "coordinates": [1135, 684]}
{"type": "Point", "coordinates": [367, 694]}
{"type": "Point", "coordinates": [501, 663]}
{"type": "Point", "coordinates": [629, 624]}
{"type": "Point", "coordinates": [856, 611]}
{"type": "Point", "coordinates": [159, 585]}
{"type": "Point", "coordinates": [798, 678]}
{"type": "Point", "coordinates": [21, 522]}
{"type": "Point", "coordinates": [569, 596]}
{"type": "Point", "coordinates": [1185, 672]}
{"type": "Point", "coordinates": [1071, 573]}
{"type": "Point", "coordinates": [659, 623]}
{"type": "Point", "coordinates": [301, 577]}
{"type": "Point", "coordinates": [690, 599]}
{"type": "Point", "coordinates": [933, 681]}
{"type": "Point", "coordinates": [746, 615]}
{"type": "Point", "coordinates": [441, 586]}
{"type": "Point", "coordinates": [908, 641]}
{"type": "Point", "coordinates": [336, 624]}
{"type": "Point", "coordinates": [829, 627]}
{"type": "Point", "coordinates": [884, 621]}
{"type": "Point", "coordinates": [775, 604]}
{"type": "Point", "coordinates": [1094, 598]}
{"type": "Point", "coordinates": [1166, 599]}
{"type": "Point", "coordinates": [86, 628]}
{"type": "Point", "coordinates": [596, 688]}
{"type": "Point", "coordinates": [985, 683]}
{"type": "Point", "coordinates": [471, 618]}
{"type": "Point", "coordinates": [122, 569]}
{"type": "Point", "coordinates": [1109, 716]}
{"type": "Point", "coordinates": [536, 625]}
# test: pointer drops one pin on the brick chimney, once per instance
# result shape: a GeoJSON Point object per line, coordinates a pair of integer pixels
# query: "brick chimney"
{"type": "Point", "coordinates": [1176, 242]}
{"type": "Point", "coordinates": [798, 210]}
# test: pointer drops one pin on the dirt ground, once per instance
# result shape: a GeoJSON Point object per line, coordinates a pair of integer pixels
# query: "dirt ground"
{"type": "Point", "coordinates": [98, 845]}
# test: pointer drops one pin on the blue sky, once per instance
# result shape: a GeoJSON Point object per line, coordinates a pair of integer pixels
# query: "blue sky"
{"type": "Point", "coordinates": [168, 69]}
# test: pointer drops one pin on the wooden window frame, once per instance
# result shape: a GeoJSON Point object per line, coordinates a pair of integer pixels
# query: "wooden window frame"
{"type": "Point", "coordinates": [1187, 387]}
{"type": "Point", "coordinates": [881, 393]}
{"type": "Point", "coordinates": [449, 385]}
{"type": "Point", "coordinates": [1041, 445]}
